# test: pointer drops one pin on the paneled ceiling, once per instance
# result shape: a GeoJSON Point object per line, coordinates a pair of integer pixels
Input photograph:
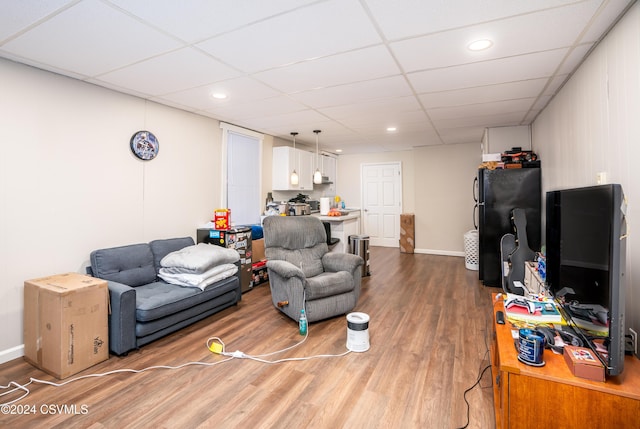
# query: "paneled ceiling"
{"type": "Point", "coordinates": [351, 68]}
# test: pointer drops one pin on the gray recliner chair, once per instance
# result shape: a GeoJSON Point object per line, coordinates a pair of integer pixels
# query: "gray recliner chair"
{"type": "Point", "coordinates": [301, 268]}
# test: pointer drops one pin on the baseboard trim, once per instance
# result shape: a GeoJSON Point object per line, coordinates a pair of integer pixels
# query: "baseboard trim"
{"type": "Point", "coordinates": [11, 354]}
{"type": "Point", "coordinates": [439, 252]}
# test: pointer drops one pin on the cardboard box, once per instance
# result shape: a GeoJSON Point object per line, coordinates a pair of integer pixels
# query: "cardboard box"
{"type": "Point", "coordinates": [66, 323]}
{"type": "Point", "coordinates": [407, 232]}
{"type": "Point", "coordinates": [583, 363]}
{"type": "Point", "coordinates": [488, 157]}
{"type": "Point", "coordinates": [258, 251]}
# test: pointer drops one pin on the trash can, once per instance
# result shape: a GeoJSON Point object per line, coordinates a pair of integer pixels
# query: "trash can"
{"type": "Point", "coordinates": [471, 250]}
{"type": "Point", "coordinates": [359, 245]}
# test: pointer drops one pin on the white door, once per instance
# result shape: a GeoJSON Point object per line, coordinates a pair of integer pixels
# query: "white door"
{"type": "Point", "coordinates": [382, 203]}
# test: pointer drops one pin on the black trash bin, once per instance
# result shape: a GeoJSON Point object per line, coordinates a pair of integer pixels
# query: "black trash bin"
{"type": "Point", "coordinates": [359, 245]}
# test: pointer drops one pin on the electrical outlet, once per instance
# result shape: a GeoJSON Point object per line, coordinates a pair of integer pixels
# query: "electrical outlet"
{"type": "Point", "coordinates": [601, 178]}
{"type": "Point", "coordinates": [634, 341]}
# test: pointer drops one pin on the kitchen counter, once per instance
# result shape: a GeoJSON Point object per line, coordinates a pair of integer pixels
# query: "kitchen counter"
{"type": "Point", "coordinates": [342, 227]}
{"type": "Point", "coordinates": [353, 215]}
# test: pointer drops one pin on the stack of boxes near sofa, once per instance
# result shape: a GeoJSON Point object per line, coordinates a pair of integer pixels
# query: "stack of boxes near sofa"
{"type": "Point", "coordinates": [258, 259]}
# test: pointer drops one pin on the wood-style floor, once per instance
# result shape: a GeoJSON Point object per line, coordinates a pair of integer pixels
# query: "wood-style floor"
{"type": "Point", "coordinates": [428, 334]}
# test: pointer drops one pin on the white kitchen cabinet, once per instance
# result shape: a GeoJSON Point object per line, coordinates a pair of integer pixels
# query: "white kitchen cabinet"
{"type": "Point", "coordinates": [329, 169]}
{"type": "Point", "coordinates": [285, 160]}
{"type": "Point", "coordinates": [306, 162]}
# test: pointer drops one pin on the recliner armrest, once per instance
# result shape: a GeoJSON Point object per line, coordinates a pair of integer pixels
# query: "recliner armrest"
{"type": "Point", "coordinates": [122, 317]}
{"type": "Point", "coordinates": [334, 262]}
{"type": "Point", "coordinates": [285, 269]}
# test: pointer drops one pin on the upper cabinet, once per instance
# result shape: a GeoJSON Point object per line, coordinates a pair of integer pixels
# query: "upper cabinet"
{"type": "Point", "coordinates": [285, 160]}
{"type": "Point", "coordinates": [329, 168]}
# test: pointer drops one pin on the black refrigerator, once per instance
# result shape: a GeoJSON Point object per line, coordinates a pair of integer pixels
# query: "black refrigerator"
{"type": "Point", "coordinates": [499, 192]}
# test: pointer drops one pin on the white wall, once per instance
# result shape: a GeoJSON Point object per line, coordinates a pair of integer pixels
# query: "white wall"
{"type": "Point", "coordinates": [437, 183]}
{"type": "Point", "coordinates": [592, 126]}
{"type": "Point", "coordinates": [444, 196]}
{"type": "Point", "coordinates": [69, 183]}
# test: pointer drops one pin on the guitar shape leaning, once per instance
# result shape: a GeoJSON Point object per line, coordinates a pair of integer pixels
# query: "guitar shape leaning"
{"type": "Point", "coordinates": [522, 252]}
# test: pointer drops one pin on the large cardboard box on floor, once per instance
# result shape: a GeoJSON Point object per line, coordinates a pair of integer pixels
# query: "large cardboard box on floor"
{"type": "Point", "coordinates": [407, 232]}
{"type": "Point", "coordinates": [66, 323]}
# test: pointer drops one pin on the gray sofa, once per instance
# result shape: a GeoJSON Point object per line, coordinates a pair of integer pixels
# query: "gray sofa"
{"type": "Point", "coordinates": [144, 307]}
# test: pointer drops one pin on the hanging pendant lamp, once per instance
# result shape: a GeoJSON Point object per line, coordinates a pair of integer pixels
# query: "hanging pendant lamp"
{"type": "Point", "coordinates": [317, 176]}
{"type": "Point", "coordinates": [294, 176]}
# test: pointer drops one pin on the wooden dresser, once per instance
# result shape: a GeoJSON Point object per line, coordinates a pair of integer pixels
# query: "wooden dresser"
{"type": "Point", "coordinates": [551, 397]}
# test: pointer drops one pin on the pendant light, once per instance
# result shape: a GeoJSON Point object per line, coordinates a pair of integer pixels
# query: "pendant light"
{"type": "Point", "coordinates": [317, 176]}
{"type": "Point", "coordinates": [294, 176]}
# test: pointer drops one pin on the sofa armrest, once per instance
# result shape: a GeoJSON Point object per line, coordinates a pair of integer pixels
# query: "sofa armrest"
{"type": "Point", "coordinates": [122, 318]}
{"type": "Point", "coordinates": [285, 269]}
{"type": "Point", "coordinates": [334, 262]}
{"type": "Point", "coordinates": [287, 283]}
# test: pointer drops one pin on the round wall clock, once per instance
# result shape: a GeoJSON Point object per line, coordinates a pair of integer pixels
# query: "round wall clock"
{"type": "Point", "coordinates": [145, 145]}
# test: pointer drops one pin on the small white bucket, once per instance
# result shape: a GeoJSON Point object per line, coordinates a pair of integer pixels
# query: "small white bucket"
{"type": "Point", "coordinates": [358, 332]}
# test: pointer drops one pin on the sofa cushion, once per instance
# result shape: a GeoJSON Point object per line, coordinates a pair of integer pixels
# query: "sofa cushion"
{"type": "Point", "coordinates": [328, 284]}
{"type": "Point", "coordinates": [161, 248]}
{"type": "Point", "coordinates": [159, 299]}
{"type": "Point", "coordinates": [131, 265]}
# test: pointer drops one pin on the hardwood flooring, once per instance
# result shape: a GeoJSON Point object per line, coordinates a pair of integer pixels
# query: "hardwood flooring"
{"type": "Point", "coordinates": [428, 334]}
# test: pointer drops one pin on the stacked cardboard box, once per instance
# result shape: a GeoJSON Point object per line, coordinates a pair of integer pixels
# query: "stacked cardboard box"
{"type": "Point", "coordinates": [407, 232]}
{"type": "Point", "coordinates": [65, 323]}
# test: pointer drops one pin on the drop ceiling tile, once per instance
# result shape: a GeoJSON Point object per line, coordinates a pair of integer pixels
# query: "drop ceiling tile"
{"type": "Point", "coordinates": [362, 64]}
{"type": "Point", "coordinates": [574, 58]}
{"type": "Point", "coordinates": [17, 15]}
{"type": "Point", "coordinates": [380, 108]}
{"type": "Point", "coordinates": [555, 84]}
{"type": "Point", "coordinates": [470, 110]}
{"type": "Point", "coordinates": [523, 67]}
{"type": "Point", "coordinates": [323, 29]}
{"type": "Point", "coordinates": [378, 124]}
{"type": "Point", "coordinates": [531, 116]}
{"type": "Point", "coordinates": [395, 86]}
{"type": "Point", "coordinates": [541, 102]}
{"type": "Point", "coordinates": [259, 108]}
{"type": "Point", "coordinates": [171, 72]}
{"type": "Point", "coordinates": [90, 29]}
{"type": "Point", "coordinates": [462, 135]}
{"type": "Point", "coordinates": [484, 94]}
{"type": "Point", "coordinates": [195, 20]}
{"type": "Point", "coordinates": [295, 121]}
{"type": "Point", "coordinates": [399, 19]}
{"type": "Point", "coordinates": [513, 36]}
{"type": "Point", "coordinates": [497, 120]}
{"type": "Point", "coordinates": [605, 19]}
{"type": "Point", "coordinates": [240, 90]}
{"type": "Point", "coordinates": [362, 147]}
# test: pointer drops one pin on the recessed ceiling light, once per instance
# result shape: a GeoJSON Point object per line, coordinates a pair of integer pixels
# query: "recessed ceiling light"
{"type": "Point", "coordinates": [391, 129]}
{"type": "Point", "coordinates": [480, 45]}
{"type": "Point", "coordinates": [338, 150]}
{"type": "Point", "coordinates": [219, 95]}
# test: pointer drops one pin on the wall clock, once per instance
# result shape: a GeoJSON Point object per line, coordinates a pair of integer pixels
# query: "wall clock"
{"type": "Point", "coordinates": [145, 145]}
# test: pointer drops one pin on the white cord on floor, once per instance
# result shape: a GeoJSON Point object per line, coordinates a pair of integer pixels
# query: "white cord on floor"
{"type": "Point", "coordinates": [210, 343]}
{"type": "Point", "coordinates": [23, 387]}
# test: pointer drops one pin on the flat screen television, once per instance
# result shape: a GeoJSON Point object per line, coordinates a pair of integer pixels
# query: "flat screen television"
{"type": "Point", "coordinates": [586, 251]}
